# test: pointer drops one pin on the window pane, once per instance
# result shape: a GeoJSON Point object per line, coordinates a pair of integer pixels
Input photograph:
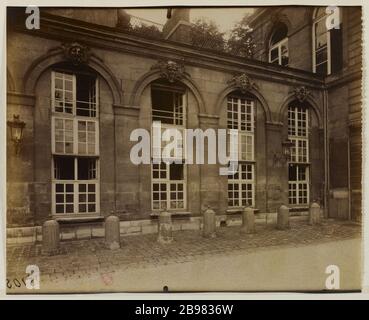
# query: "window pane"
{"type": "Point", "coordinates": [63, 92]}
{"type": "Point", "coordinates": [167, 106]}
{"type": "Point", "coordinates": [86, 95]}
{"type": "Point", "coordinates": [86, 168]}
{"type": "Point", "coordinates": [59, 208]}
{"type": "Point", "coordinates": [63, 168]}
{"type": "Point", "coordinates": [274, 54]}
{"type": "Point", "coordinates": [176, 171]}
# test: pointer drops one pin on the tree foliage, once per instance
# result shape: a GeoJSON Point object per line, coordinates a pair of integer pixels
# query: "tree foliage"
{"type": "Point", "coordinates": [205, 34]}
{"type": "Point", "coordinates": [241, 42]}
{"type": "Point", "coordinates": [146, 30]}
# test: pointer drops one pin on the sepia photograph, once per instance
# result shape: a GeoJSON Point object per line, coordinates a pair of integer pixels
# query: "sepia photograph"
{"type": "Point", "coordinates": [183, 149]}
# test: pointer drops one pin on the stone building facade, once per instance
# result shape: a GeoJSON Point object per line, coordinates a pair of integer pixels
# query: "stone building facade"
{"type": "Point", "coordinates": [82, 84]}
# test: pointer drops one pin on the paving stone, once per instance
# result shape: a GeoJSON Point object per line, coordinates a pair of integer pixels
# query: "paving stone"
{"type": "Point", "coordinates": [81, 258]}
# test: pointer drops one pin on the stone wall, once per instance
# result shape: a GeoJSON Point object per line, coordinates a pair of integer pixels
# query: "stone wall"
{"type": "Point", "coordinates": [125, 73]}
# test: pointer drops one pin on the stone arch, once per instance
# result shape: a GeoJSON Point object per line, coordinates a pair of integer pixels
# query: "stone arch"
{"type": "Point", "coordinates": [10, 83]}
{"type": "Point", "coordinates": [153, 75]}
{"type": "Point", "coordinates": [223, 95]}
{"type": "Point", "coordinates": [43, 63]}
{"type": "Point", "coordinates": [309, 100]}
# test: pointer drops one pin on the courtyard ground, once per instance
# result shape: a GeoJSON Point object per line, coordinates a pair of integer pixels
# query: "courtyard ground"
{"type": "Point", "coordinates": [270, 259]}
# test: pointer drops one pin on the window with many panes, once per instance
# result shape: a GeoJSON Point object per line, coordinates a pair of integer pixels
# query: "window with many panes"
{"type": "Point", "coordinates": [240, 117]}
{"type": "Point", "coordinates": [298, 168]}
{"type": "Point", "coordinates": [278, 50]}
{"type": "Point", "coordinates": [168, 186]}
{"type": "Point", "coordinates": [168, 180]}
{"type": "Point", "coordinates": [327, 44]}
{"type": "Point", "coordinates": [75, 143]}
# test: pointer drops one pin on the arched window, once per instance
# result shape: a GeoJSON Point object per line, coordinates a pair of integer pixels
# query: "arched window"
{"type": "Point", "coordinates": [75, 140]}
{"type": "Point", "coordinates": [298, 167]}
{"type": "Point", "coordinates": [278, 48]}
{"type": "Point", "coordinates": [240, 117]}
{"type": "Point", "coordinates": [169, 180]}
{"type": "Point", "coordinates": [327, 42]}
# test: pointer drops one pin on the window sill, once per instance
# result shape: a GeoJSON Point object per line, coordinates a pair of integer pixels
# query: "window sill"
{"type": "Point", "coordinates": [176, 214]}
{"type": "Point", "coordinates": [239, 210]}
{"type": "Point", "coordinates": [78, 219]}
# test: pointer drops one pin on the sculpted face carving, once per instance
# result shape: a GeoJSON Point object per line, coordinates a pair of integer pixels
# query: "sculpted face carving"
{"type": "Point", "coordinates": [242, 82]}
{"type": "Point", "coordinates": [76, 53]}
{"type": "Point", "coordinates": [301, 93]}
{"type": "Point", "coordinates": [170, 70]}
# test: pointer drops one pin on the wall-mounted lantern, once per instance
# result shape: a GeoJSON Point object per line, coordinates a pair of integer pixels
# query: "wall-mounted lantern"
{"type": "Point", "coordinates": [16, 132]}
{"type": "Point", "coordinates": [284, 156]}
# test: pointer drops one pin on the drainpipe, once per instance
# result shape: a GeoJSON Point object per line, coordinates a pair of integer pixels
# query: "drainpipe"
{"type": "Point", "coordinates": [349, 175]}
{"type": "Point", "coordinates": [326, 153]}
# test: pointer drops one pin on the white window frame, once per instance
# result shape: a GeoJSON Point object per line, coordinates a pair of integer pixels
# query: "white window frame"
{"type": "Point", "coordinates": [297, 184]}
{"type": "Point", "coordinates": [56, 115]}
{"type": "Point", "coordinates": [278, 46]}
{"type": "Point", "coordinates": [328, 35]}
{"type": "Point", "coordinates": [295, 159]}
{"type": "Point", "coordinates": [316, 20]}
{"type": "Point", "coordinates": [74, 94]}
{"type": "Point", "coordinates": [181, 128]}
{"type": "Point", "coordinates": [76, 183]}
{"type": "Point", "coordinates": [237, 179]}
{"type": "Point", "coordinates": [245, 130]}
{"type": "Point", "coordinates": [76, 141]}
{"type": "Point", "coordinates": [168, 182]}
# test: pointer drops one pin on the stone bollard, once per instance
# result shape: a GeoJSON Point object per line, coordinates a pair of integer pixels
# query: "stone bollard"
{"type": "Point", "coordinates": [165, 228]}
{"type": "Point", "coordinates": [112, 232]}
{"type": "Point", "coordinates": [248, 221]}
{"type": "Point", "coordinates": [314, 213]}
{"type": "Point", "coordinates": [283, 217]}
{"type": "Point", "coordinates": [50, 237]}
{"type": "Point", "coordinates": [209, 224]}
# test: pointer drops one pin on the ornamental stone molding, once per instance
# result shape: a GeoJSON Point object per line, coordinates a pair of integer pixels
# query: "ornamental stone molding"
{"type": "Point", "coordinates": [76, 53]}
{"type": "Point", "coordinates": [243, 82]}
{"type": "Point", "coordinates": [301, 93]}
{"type": "Point", "coordinates": [170, 70]}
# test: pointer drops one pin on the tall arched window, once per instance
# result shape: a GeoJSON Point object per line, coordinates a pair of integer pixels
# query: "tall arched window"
{"type": "Point", "coordinates": [278, 48]}
{"type": "Point", "coordinates": [75, 141]}
{"type": "Point", "coordinates": [169, 181]}
{"type": "Point", "coordinates": [240, 117]}
{"type": "Point", "coordinates": [327, 43]}
{"type": "Point", "coordinates": [298, 167]}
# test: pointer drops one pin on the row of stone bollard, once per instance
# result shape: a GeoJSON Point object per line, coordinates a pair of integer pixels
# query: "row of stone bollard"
{"type": "Point", "coordinates": [51, 235]}
{"type": "Point", "coordinates": [283, 216]}
{"type": "Point", "coordinates": [51, 232]}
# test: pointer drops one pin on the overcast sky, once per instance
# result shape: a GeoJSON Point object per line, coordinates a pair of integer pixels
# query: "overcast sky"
{"type": "Point", "coordinates": [225, 18]}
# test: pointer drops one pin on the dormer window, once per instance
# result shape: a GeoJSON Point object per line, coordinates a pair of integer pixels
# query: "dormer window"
{"type": "Point", "coordinates": [278, 52]}
{"type": "Point", "coordinates": [327, 44]}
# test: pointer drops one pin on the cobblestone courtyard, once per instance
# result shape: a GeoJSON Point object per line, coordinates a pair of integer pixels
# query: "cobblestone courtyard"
{"type": "Point", "coordinates": [82, 259]}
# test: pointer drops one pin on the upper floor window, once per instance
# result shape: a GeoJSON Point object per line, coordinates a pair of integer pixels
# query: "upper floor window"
{"type": "Point", "coordinates": [278, 49]}
{"type": "Point", "coordinates": [327, 43]}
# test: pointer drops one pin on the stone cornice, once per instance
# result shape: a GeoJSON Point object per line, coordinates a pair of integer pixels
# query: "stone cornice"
{"type": "Point", "coordinates": [342, 79]}
{"type": "Point", "coordinates": [106, 38]}
{"type": "Point", "coordinates": [19, 98]}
